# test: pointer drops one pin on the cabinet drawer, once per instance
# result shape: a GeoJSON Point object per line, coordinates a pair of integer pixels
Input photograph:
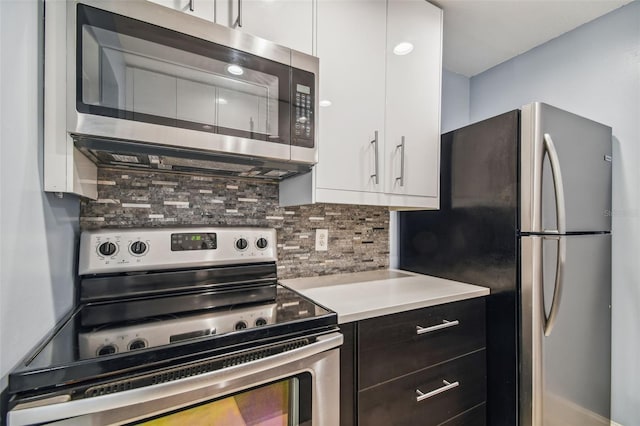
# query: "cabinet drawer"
{"type": "Point", "coordinates": [394, 402]}
{"type": "Point", "coordinates": [390, 346]}
{"type": "Point", "coordinates": [477, 416]}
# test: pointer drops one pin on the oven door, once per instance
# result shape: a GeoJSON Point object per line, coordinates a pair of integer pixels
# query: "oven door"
{"type": "Point", "coordinates": [297, 387]}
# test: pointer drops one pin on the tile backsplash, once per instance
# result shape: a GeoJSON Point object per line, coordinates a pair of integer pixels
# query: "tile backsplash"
{"type": "Point", "coordinates": [358, 235]}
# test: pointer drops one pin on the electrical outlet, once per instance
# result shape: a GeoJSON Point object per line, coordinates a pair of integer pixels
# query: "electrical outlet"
{"type": "Point", "coordinates": [322, 239]}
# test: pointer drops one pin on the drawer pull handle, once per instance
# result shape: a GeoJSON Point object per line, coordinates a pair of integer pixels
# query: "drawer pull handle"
{"type": "Point", "coordinates": [447, 386]}
{"type": "Point", "coordinates": [445, 324]}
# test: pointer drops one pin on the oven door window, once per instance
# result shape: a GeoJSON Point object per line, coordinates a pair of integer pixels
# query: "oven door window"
{"type": "Point", "coordinates": [282, 403]}
{"type": "Point", "coordinates": [134, 70]}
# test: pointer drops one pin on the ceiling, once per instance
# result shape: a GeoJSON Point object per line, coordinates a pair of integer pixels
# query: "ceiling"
{"type": "Point", "coordinates": [479, 34]}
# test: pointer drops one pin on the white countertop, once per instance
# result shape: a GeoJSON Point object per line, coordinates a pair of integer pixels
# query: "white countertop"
{"type": "Point", "coordinates": [361, 295]}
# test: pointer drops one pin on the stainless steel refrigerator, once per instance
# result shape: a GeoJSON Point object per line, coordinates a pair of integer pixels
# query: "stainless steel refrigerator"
{"type": "Point", "coordinates": [526, 211]}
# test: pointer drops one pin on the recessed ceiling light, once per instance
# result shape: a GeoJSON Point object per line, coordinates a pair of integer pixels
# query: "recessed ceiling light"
{"type": "Point", "coordinates": [221, 101]}
{"type": "Point", "coordinates": [403, 48]}
{"type": "Point", "coordinates": [235, 70]}
{"type": "Point", "coordinates": [325, 103]}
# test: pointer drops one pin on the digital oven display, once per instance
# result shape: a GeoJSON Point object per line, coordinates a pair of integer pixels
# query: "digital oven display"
{"type": "Point", "coordinates": [193, 241]}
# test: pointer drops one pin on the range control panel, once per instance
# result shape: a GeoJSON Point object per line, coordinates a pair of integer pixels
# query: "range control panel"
{"type": "Point", "coordinates": [124, 250]}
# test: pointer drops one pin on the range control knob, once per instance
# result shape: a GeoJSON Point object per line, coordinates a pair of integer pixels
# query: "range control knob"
{"type": "Point", "coordinates": [138, 248]}
{"type": "Point", "coordinates": [260, 322]}
{"type": "Point", "coordinates": [107, 350]}
{"type": "Point", "coordinates": [262, 243]}
{"type": "Point", "coordinates": [241, 244]}
{"type": "Point", "coordinates": [240, 325]}
{"type": "Point", "coordinates": [137, 344]}
{"type": "Point", "coordinates": [107, 249]}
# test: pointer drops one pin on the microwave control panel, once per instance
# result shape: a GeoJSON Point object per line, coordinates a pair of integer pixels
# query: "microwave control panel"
{"type": "Point", "coordinates": [304, 104]}
{"type": "Point", "coordinates": [303, 112]}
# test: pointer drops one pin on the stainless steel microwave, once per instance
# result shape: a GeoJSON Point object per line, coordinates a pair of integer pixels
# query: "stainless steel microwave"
{"type": "Point", "coordinates": [145, 86]}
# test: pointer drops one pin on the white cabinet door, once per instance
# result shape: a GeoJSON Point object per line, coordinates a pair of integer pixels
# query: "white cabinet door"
{"type": "Point", "coordinates": [285, 22]}
{"type": "Point", "coordinates": [413, 98]}
{"type": "Point", "coordinates": [226, 12]}
{"type": "Point", "coordinates": [351, 48]}
{"type": "Point", "coordinates": [204, 9]}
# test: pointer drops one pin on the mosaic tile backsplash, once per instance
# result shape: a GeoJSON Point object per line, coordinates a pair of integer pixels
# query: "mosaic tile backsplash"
{"type": "Point", "coordinates": [358, 235]}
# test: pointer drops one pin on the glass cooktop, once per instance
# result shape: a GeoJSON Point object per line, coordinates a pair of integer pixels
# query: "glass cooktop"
{"type": "Point", "coordinates": [75, 353]}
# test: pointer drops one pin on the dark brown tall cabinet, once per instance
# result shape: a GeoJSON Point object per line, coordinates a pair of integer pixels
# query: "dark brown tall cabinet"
{"type": "Point", "coordinates": [421, 367]}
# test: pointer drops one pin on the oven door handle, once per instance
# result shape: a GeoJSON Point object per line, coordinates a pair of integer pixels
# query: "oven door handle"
{"type": "Point", "coordinates": [67, 410]}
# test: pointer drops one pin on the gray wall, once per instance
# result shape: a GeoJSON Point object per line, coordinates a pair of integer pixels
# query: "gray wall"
{"type": "Point", "coordinates": [455, 101]}
{"type": "Point", "coordinates": [593, 71]}
{"type": "Point", "coordinates": [37, 230]}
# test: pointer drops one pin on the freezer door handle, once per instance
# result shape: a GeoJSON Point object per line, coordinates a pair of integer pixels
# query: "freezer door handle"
{"type": "Point", "coordinates": [550, 320]}
{"type": "Point", "coordinates": [558, 187]}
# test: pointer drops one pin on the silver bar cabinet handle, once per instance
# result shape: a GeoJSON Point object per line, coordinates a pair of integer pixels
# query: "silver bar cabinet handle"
{"type": "Point", "coordinates": [238, 22]}
{"type": "Point", "coordinates": [191, 7]}
{"type": "Point", "coordinates": [401, 146]}
{"type": "Point", "coordinates": [445, 324]}
{"type": "Point", "coordinates": [447, 386]}
{"type": "Point", "coordinates": [550, 320]}
{"type": "Point", "coordinates": [374, 142]}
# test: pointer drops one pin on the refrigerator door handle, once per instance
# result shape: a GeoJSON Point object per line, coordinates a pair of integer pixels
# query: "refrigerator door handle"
{"type": "Point", "coordinates": [550, 320]}
{"type": "Point", "coordinates": [561, 215]}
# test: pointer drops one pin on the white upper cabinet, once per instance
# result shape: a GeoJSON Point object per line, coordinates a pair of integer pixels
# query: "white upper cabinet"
{"type": "Point", "coordinates": [204, 9]}
{"type": "Point", "coordinates": [373, 89]}
{"type": "Point", "coordinates": [285, 22]}
{"type": "Point", "coordinates": [289, 23]}
{"type": "Point", "coordinates": [412, 144]}
{"type": "Point", "coordinates": [352, 78]}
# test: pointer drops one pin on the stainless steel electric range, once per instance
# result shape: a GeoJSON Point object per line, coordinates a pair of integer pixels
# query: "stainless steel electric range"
{"type": "Point", "coordinates": [183, 326]}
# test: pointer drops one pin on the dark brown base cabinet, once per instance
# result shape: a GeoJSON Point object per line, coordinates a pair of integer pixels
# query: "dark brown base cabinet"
{"type": "Point", "coordinates": [421, 367]}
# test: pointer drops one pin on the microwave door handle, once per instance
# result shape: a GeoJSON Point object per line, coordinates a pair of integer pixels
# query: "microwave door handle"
{"type": "Point", "coordinates": [550, 320]}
